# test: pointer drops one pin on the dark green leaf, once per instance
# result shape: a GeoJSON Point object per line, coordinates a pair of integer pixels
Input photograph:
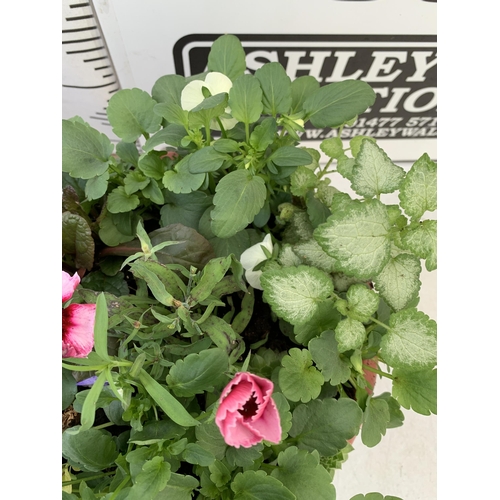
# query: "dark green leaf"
{"type": "Point", "coordinates": [290, 156]}
{"type": "Point", "coordinates": [119, 201]}
{"type": "Point", "coordinates": [336, 103]}
{"type": "Point", "coordinates": [263, 135]}
{"type": "Point", "coordinates": [85, 151]}
{"type": "Point", "coordinates": [185, 209]}
{"type": "Point", "coordinates": [171, 135]}
{"type": "Point", "coordinates": [127, 151]}
{"type": "Point", "coordinates": [416, 390]}
{"type": "Point", "coordinates": [375, 419]}
{"type": "Point", "coordinates": [68, 388]}
{"type": "Point", "coordinates": [302, 88]}
{"type": "Point", "coordinates": [206, 160]}
{"type": "Point", "coordinates": [276, 88]}
{"type": "Point", "coordinates": [227, 56]}
{"type": "Point", "coordinates": [245, 99]}
{"type": "Point", "coordinates": [77, 240]}
{"type": "Point", "coordinates": [130, 112]}
{"type": "Point", "coordinates": [168, 88]}
{"type": "Point", "coordinates": [257, 485]}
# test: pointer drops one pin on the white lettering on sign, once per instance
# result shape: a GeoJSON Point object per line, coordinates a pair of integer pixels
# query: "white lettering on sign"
{"type": "Point", "coordinates": [314, 68]}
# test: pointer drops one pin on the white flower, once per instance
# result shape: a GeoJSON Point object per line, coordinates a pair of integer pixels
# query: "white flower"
{"type": "Point", "coordinates": [216, 83]}
{"type": "Point", "coordinates": [253, 256]}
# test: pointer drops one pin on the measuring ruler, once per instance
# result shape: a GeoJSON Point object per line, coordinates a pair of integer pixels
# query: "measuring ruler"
{"type": "Point", "coordinates": [89, 78]}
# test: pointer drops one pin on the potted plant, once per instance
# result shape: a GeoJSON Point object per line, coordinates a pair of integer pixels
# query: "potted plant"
{"type": "Point", "coordinates": [226, 309]}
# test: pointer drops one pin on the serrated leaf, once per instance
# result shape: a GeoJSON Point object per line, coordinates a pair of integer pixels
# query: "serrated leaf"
{"type": "Point", "coordinates": [227, 57]}
{"type": "Point", "coordinates": [301, 472]}
{"type": "Point", "coordinates": [362, 303]}
{"type": "Point", "coordinates": [355, 143]}
{"type": "Point", "coordinates": [181, 180]}
{"type": "Point", "coordinates": [276, 88]}
{"type": "Point", "coordinates": [325, 353]}
{"type": "Point", "coordinates": [135, 181]}
{"type": "Point", "coordinates": [418, 191]}
{"type": "Point", "coordinates": [244, 457]}
{"type": "Point", "coordinates": [399, 282]}
{"type": "Point", "coordinates": [77, 240]}
{"type": "Point", "coordinates": [257, 485]}
{"type": "Point", "coordinates": [345, 167]}
{"type": "Point", "coordinates": [375, 419]}
{"type": "Point", "coordinates": [130, 112]}
{"type": "Point", "coordinates": [119, 201]}
{"type": "Point", "coordinates": [410, 343]}
{"type": "Point", "coordinates": [245, 99]}
{"type": "Point", "coordinates": [332, 147]}
{"type": "Point", "coordinates": [358, 237]}
{"type": "Point", "coordinates": [313, 255]}
{"type": "Point", "coordinates": [151, 480]}
{"type": "Point", "coordinates": [373, 172]}
{"type": "Point", "coordinates": [350, 334]}
{"type": "Point", "coordinates": [298, 379]}
{"type": "Point", "coordinates": [239, 196]}
{"type": "Point", "coordinates": [96, 187]}
{"type": "Point", "coordinates": [416, 390]}
{"type": "Point", "coordinates": [295, 293]}
{"type": "Point", "coordinates": [180, 487]}
{"type": "Point", "coordinates": [85, 151]}
{"type": "Point", "coordinates": [374, 496]}
{"type": "Point", "coordinates": [336, 103]}
{"type": "Point", "coordinates": [153, 192]}
{"type": "Point", "coordinates": [197, 373]}
{"type": "Point", "coordinates": [325, 426]}
{"type": "Point", "coordinates": [422, 241]}
{"type": "Point", "coordinates": [302, 180]}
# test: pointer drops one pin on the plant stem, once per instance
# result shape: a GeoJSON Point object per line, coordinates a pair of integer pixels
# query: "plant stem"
{"type": "Point", "coordinates": [103, 426]}
{"type": "Point", "coordinates": [88, 478]}
{"type": "Point", "coordinates": [380, 323]}
{"type": "Point", "coordinates": [378, 372]}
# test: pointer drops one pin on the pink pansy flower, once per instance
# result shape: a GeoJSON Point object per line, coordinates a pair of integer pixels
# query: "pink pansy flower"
{"type": "Point", "coordinates": [77, 322]}
{"type": "Point", "coordinates": [247, 414]}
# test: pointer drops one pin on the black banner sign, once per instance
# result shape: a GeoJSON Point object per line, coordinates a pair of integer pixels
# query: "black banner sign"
{"type": "Point", "coordinates": [402, 69]}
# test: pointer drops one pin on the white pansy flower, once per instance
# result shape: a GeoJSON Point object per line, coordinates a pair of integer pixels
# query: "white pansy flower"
{"type": "Point", "coordinates": [253, 256]}
{"type": "Point", "coordinates": [216, 83]}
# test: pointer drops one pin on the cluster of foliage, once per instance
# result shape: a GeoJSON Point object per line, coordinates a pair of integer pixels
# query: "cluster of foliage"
{"type": "Point", "coordinates": [159, 228]}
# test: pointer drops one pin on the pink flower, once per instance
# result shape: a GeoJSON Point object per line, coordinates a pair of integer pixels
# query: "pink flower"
{"type": "Point", "coordinates": [77, 322]}
{"type": "Point", "coordinates": [247, 414]}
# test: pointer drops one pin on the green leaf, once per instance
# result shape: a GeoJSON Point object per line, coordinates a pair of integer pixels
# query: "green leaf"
{"type": "Point", "coordinates": [155, 432]}
{"type": "Point", "coordinates": [356, 142]}
{"type": "Point", "coordinates": [173, 113]}
{"type": "Point", "coordinates": [227, 57]}
{"type": "Point", "coordinates": [89, 405]}
{"type": "Point", "coordinates": [180, 487]}
{"type": "Point", "coordinates": [185, 209]}
{"type": "Point", "coordinates": [245, 457]}
{"type": "Point", "coordinates": [362, 303]}
{"type": "Point", "coordinates": [77, 240]}
{"type": "Point", "coordinates": [245, 99]}
{"type": "Point", "coordinates": [166, 401]}
{"type": "Point", "coordinates": [96, 187]}
{"type": "Point", "coordinates": [69, 388]}
{"type": "Point", "coordinates": [294, 293]}
{"type": "Point", "coordinates": [416, 390]}
{"type": "Point", "coordinates": [239, 196]}
{"type": "Point", "coordinates": [219, 474]}
{"type": "Point", "coordinates": [410, 343]}
{"type": "Point", "coordinates": [302, 88]}
{"type": "Point", "coordinates": [209, 109]}
{"type": "Point", "coordinates": [325, 426]}
{"type": "Point", "coordinates": [263, 135]}
{"type": "Point", "coordinates": [110, 234]}
{"type": "Point", "coordinates": [350, 334]}
{"type": "Point", "coordinates": [290, 156]}
{"type": "Point", "coordinates": [422, 241]}
{"type": "Point", "coordinates": [85, 151]}
{"type": "Point", "coordinates": [135, 181]}
{"type": "Point", "coordinates": [152, 165]}
{"type": "Point", "coordinates": [374, 496]}
{"type": "Point", "coordinates": [153, 192]}
{"type": "Point", "coordinates": [303, 475]}
{"type": "Point", "coordinates": [94, 449]}
{"type": "Point", "coordinates": [221, 333]}
{"type": "Point", "coordinates": [313, 255]}
{"type": "Point", "coordinates": [197, 373]}
{"type": "Point", "coordinates": [375, 419]}
{"type": "Point", "coordinates": [119, 201]}
{"type": "Point", "coordinates": [206, 160]}
{"type": "Point", "coordinates": [101, 328]}
{"type": "Point", "coordinates": [396, 415]}
{"type": "Point", "coordinates": [399, 282]}
{"type": "Point", "coordinates": [181, 180]}
{"type": "Point", "coordinates": [213, 273]}
{"type": "Point", "coordinates": [171, 135]}
{"type": "Point", "coordinates": [168, 88]}
{"type": "Point", "coordinates": [145, 271]}
{"type": "Point", "coordinates": [325, 353]}
{"type": "Point", "coordinates": [195, 454]}
{"type": "Point", "coordinates": [374, 173]}
{"type": "Point", "coordinates": [209, 437]}
{"type": "Point", "coordinates": [151, 480]}
{"type": "Point", "coordinates": [226, 146]}
{"type": "Point", "coordinates": [358, 237]}
{"type": "Point", "coordinates": [418, 191]}
{"type": "Point", "coordinates": [325, 318]}
{"type": "Point", "coordinates": [127, 151]}
{"type": "Point", "coordinates": [302, 180]}
{"type": "Point", "coordinates": [336, 103]}
{"type": "Point", "coordinates": [257, 485]}
{"type": "Point", "coordinates": [298, 379]}
{"type": "Point", "coordinates": [276, 88]}
{"type": "Point", "coordinates": [332, 147]}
